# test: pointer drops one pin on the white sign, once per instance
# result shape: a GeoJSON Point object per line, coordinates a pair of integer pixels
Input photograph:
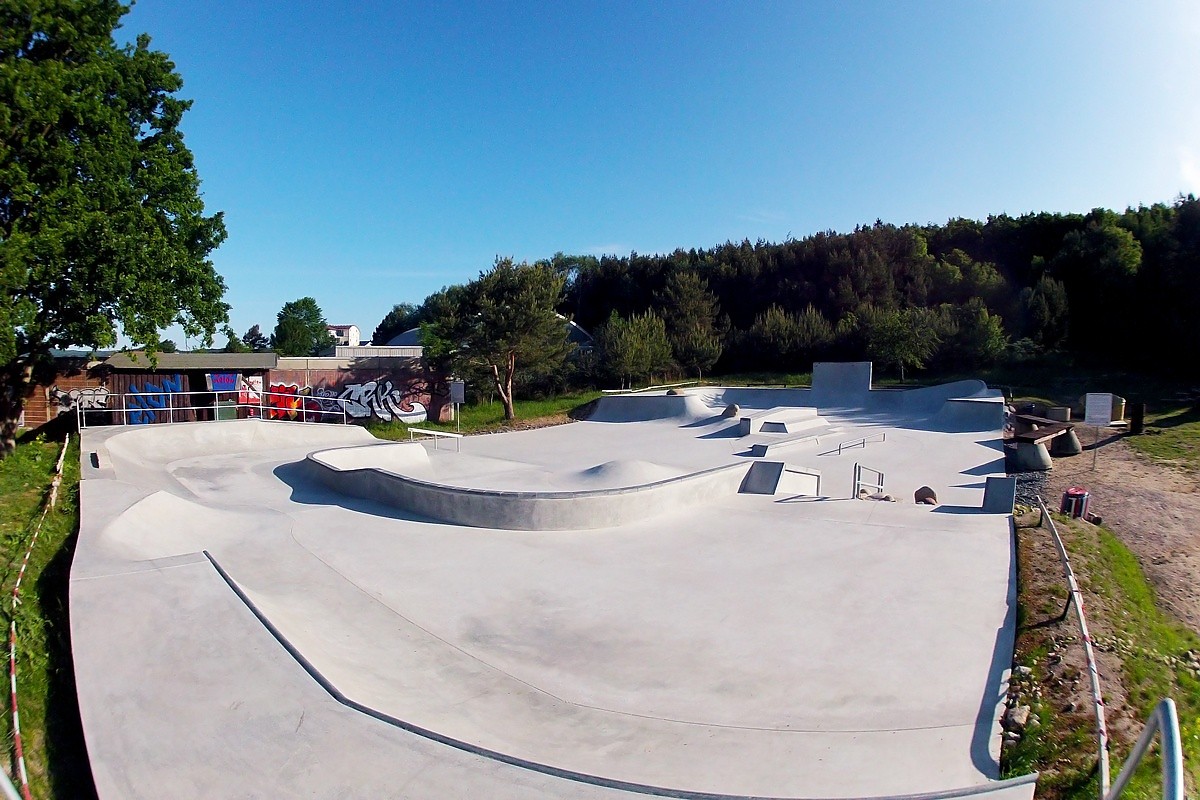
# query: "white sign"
{"type": "Point", "coordinates": [1097, 409]}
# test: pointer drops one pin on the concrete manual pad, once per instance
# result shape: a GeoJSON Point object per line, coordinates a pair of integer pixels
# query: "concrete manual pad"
{"type": "Point", "coordinates": [305, 642]}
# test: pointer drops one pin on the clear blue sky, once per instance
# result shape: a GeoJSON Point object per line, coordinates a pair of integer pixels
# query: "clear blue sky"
{"type": "Point", "coordinates": [369, 153]}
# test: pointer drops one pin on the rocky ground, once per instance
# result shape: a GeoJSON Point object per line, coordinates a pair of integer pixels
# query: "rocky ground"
{"type": "Point", "coordinates": [1155, 509]}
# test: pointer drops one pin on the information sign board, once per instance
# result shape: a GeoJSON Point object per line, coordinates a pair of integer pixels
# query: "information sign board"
{"type": "Point", "coordinates": [1097, 409]}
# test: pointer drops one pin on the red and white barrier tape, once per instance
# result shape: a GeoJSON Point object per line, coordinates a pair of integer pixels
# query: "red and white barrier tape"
{"type": "Point", "coordinates": [51, 500]}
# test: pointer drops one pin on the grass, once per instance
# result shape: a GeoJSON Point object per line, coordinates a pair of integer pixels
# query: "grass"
{"type": "Point", "coordinates": [1153, 647]}
{"type": "Point", "coordinates": [487, 417]}
{"type": "Point", "coordinates": [55, 754]}
{"type": "Point", "coordinates": [1121, 606]}
{"type": "Point", "coordinates": [1172, 436]}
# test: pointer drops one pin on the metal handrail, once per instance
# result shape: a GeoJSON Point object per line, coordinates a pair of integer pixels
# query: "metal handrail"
{"type": "Point", "coordinates": [1165, 721]}
{"type": "Point", "coordinates": [860, 484]}
{"type": "Point", "coordinates": [437, 437]}
{"type": "Point", "coordinates": [849, 443]}
{"type": "Point", "coordinates": [1076, 596]}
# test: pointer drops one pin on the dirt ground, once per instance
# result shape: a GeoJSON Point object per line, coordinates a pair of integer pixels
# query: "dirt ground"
{"type": "Point", "coordinates": [1155, 509]}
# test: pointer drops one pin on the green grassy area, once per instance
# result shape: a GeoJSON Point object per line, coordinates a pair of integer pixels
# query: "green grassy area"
{"type": "Point", "coordinates": [50, 729]}
{"type": "Point", "coordinates": [792, 379]}
{"type": "Point", "coordinates": [1154, 649]}
{"type": "Point", "coordinates": [1172, 436]}
{"type": "Point", "coordinates": [486, 417]}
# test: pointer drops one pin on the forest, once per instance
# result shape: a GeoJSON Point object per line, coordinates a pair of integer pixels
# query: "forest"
{"type": "Point", "coordinates": [1102, 288]}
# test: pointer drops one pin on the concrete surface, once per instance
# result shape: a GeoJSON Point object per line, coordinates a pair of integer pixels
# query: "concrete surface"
{"type": "Point", "coordinates": [242, 629]}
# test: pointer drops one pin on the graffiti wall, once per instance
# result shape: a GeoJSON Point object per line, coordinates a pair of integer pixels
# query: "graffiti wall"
{"type": "Point", "coordinates": [327, 395]}
{"type": "Point", "coordinates": [148, 398]}
{"type": "Point", "coordinates": [71, 384]}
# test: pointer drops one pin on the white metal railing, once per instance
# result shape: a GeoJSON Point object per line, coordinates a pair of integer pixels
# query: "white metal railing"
{"type": "Point", "coordinates": [852, 443]}
{"type": "Point", "coordinates": [1164, 721]}
{"type": "Point", "coordinates": [139, 408]}
{"type": "Point", "coordinates": [859, 483]}
{"type": "Point", "coordinates": [1076, 597]}
{"type": "Point", "coordinates": [437, 437]}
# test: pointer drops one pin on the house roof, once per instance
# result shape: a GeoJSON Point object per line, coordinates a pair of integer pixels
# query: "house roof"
{"type": "Point", "coordinates": [137, 359]}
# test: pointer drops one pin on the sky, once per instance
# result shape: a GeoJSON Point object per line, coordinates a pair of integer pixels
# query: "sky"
{"type": "Point", "coordinates": [370, 153]}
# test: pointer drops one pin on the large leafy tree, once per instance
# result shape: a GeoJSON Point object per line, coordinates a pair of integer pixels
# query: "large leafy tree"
{"type": "Point", "coordinates": [101, 222]}
{"type": "Point", "coordinates": [635, 348]}
{"type": "Point", "coordinates": [402, 317]}
{"type": "Point", "coordinates": [300, 329]}
{"type": "Point", "coordinates": [500, 322]}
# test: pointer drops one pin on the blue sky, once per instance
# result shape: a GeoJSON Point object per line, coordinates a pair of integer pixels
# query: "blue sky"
{"type": "Point", "coordinates": [369, 153]}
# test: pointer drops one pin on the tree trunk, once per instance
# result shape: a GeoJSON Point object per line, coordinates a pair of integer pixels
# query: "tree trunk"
{"type": "Point", "coordinates": [15, 377]}
{"type": "Point", "coordinates": [509, 412]}
{"type": "Point", "coordinates": [504, 385]}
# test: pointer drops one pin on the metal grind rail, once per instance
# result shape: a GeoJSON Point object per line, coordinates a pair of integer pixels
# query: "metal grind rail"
{"type": "Point", "coordinates": [850, 444]}
{"type": "Point", "coordinates": [6, 786]}
{"type": "Point", "coordinates": [1163, 720]}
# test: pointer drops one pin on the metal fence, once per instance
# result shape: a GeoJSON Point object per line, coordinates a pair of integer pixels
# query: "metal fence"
{"type": "Point", "coordinates": [1163, 720]}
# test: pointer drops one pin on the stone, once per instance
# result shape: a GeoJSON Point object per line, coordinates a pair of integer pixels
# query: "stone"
{"type": "Point", "coordinates": [1024, 671]}
{"type": "Point", "coordinates": [1015, 719]}
{"type": "Point", "coordinates": [731, 410]}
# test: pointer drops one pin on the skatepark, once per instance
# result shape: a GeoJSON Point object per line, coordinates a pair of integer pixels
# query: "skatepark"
{"type": "Point", "coordinates": [719, 592]}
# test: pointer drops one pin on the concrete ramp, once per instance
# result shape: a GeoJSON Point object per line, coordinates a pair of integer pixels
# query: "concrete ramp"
{"type": "Point", "coordinates": [841, 384]}
{"type": "Point", "coordinates": [646, 407]}
{"type": "Point", "coordinates": [780, 419]}
{"type": "Point", "coordinates": [970, 414]}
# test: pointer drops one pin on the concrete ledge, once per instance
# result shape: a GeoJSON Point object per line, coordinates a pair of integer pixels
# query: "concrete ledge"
{"type": "Point", "coordinates": [529, 511]}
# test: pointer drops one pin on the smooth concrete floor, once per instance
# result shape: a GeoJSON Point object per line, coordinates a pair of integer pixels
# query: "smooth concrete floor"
{"type": "Point", "coordinates": [778, 646]}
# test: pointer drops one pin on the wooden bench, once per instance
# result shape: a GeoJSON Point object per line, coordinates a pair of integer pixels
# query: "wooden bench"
{"type": "Point", "coordinates": [1047, 429]}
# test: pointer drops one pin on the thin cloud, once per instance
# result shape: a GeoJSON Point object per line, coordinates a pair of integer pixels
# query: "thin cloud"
{"type": "Point", "coordinates": [608, 250]}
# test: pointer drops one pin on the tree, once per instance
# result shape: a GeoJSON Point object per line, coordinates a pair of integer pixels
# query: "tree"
{"type": "Point", "coordinates": [233, 344]}
{"type": "Point", "coordinates": [168, 346]}
{"type": "Point", "coordinates": [402, 317]}
{"type": "Point", "coordinates": [256, 340]}
{"type": "Point", "coordinates": [900, 338]}
{"type": "Point", "coordinates": [635, 348]}
{"type": "Point", "coordinates": [502, 321]}
{"type": "Point", "coordinates": [689, 312]}
{"type": "Point", "coordinates": [300, 329]}
{"type": "Point", "coordinates": [101, 221]}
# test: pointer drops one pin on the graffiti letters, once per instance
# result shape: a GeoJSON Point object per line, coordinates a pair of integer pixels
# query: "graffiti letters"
{"type": "Point", "coordinates": [381, 400]}
{"type": "Point", "coordinates": [145, 404]}
{"type": "Point", "coordinates": [378, 399]}
{"type": "Point", "coordinates": [89, 399]}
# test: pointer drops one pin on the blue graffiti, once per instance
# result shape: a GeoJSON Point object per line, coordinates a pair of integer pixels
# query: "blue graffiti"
{"type": "Point", "coordinates": [146, 403]}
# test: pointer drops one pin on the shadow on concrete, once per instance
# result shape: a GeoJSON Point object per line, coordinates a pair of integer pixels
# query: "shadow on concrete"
{"type": "Point", "coordinates": [996, 689]}
{"type": "Point", "coordinates": [957, 510]}
{"type": "Point", "coordinates": [976, 485]}
{"type": "Point", "coordinates": [993, 467]}
{"type": "Point", "coordinates": [731, 432]}
{"type": "Point", "coordinates": [308, 491]}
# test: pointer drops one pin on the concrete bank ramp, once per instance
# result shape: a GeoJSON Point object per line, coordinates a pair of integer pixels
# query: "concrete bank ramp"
{"type": "Point", "coordinates": [645, 407]}
{"type": "Point", "coordinates": [623, 473]}
{"type": "Point", "coordinates": [162, 444]}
